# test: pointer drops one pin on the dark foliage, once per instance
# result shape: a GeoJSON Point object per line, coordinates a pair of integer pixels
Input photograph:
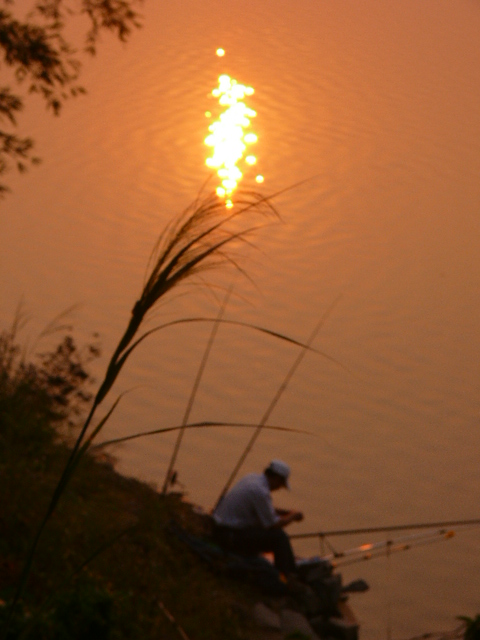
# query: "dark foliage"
{"type": "Point", "coordinates": [472, 627]}
{"type": "Point", "coordinates": [55, 385]}
{"type": "Point", "coordinates": [83, 611]}
{"type": "Point", "coordinates": [107, 568]}
{"type": "Point", "coordinates": [43, 61]}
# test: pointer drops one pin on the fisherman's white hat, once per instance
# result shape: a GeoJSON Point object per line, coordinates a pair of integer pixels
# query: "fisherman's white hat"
{"type": "Point", "coordinates": [281, 469]}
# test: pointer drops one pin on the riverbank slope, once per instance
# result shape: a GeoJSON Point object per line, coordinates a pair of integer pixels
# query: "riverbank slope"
{"type": "Point", "coordinates": [107, 565]}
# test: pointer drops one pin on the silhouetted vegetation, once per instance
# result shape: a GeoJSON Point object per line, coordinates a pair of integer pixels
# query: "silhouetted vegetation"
{"type": "Point", "coordinates": [106, 566]}
{"type": "Point", "coordinates": [39, 397]}
{"type": "Point", "coordinates": [39, 57]}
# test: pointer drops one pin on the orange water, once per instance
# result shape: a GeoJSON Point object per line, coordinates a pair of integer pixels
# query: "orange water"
{"type": "Point", "coordinates": [377, 103]}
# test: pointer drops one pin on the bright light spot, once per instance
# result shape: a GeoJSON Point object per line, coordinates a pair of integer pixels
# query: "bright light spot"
{"type": "Point", "coordinates": [259, 179]}
{"type": "Point", "coordinates": [227, 137]}
{"type": "Point", "coordinates": [220, 53]}
{"type": "Point", "coordinates": [208, 114]}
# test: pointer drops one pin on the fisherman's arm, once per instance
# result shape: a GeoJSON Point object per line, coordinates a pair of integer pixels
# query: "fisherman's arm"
{"type": "Point", "coordinates": [286, 517]}
{"type": "Point", "coordinates": [268, 515]}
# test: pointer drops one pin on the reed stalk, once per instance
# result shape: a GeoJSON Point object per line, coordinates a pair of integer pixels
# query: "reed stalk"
{"type": "Point", "coordinates": [191, 400]}
{"type": "Point", "coordinates": [274, 401]}
{"type": "Point", "coordinates": [203, 237]}
{"type": "Point", "coordinates": [206, 424]}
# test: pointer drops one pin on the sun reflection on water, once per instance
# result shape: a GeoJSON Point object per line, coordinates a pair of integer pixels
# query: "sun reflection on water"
{"type": "Point", "coordinates": [228, 138]}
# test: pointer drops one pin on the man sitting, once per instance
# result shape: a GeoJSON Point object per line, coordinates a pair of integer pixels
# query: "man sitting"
{"type": "Point", "coordinates": [246, 521]}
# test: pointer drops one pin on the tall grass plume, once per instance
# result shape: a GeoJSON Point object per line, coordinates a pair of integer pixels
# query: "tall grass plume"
{"type": "Point", "coordinates": [205, 236]}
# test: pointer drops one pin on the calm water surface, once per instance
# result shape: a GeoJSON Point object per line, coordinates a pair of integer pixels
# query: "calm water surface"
{"type": "Point", "coordinates": [377, 103]}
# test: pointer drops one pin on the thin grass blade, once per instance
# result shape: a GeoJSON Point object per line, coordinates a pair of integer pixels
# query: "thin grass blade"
{"type": "Point", "coordinates": [196, 425]}
{"type": "Point", "coordinates": [275, 400]}
{"type": "Point", "coordinates": [196, 384]}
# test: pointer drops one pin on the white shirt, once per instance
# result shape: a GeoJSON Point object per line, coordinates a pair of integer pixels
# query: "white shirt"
{"type": "Point", "coordinates": [248, 504]}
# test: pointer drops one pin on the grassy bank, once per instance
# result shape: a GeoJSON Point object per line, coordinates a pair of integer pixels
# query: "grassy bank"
{"type": "Point", "coordinates": [94, 546]}
{"type": "Point", "coordinates": [106, 565]}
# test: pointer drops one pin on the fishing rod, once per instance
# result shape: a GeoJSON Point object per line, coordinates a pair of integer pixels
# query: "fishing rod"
{"type": "Point", "coordinates": [386, 553]}
{"type": "Point", "coordinates": [384, 548]}
{"type": "Point", "coordinates": [401, 527]}
{"type": "Point", "coordinates": [385, 544]}
{"type": "Point", "coordinates": [387, 547]}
